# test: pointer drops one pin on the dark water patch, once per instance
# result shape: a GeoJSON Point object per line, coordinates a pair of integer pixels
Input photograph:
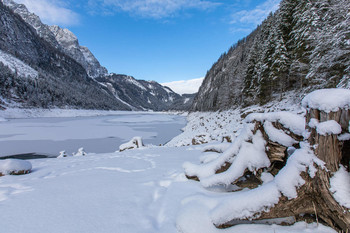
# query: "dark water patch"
{"type": "Point", "coordinates": [28, 156]}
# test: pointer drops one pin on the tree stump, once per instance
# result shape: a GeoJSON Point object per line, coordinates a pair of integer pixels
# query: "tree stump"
{"type": "Point", "coordinates": [314, 197]}
{"type": "Point", "coordinates": [329, 149]}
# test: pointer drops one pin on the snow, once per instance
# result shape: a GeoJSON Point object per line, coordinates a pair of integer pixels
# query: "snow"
{"type": "Point", "coordinates": [80, 152]}
{"type": "Point", "coordinates": [209, 169]}
{"type": "Point", "coordinates": [325, 127]}
{"type": "Point", "coordinates": [277, 135]}
{"type": "Point", "coordinates": [2, 119]}
{"type": "Point", "coordinates": [292, 121]}
{"type": "Point", "coordinates": [105, 192]}
{"type": "Point", "coordinates": [135, 82]}
{"type": "Point", "coordinates": [63, 154]}
{"type": "Point", "coordinates": [344, 137]}
{"type": "Point", "coordinates": [135, 142]}
{"type": "Point", "coordinates": [328, 100]}
{"type": "Point", "coordinates": [224, 207]}
{"type": "Point", "coordinates": [109, 191]}
{"type": "Point", "coordinates": [17, 65]}
{"type": "Point", "coordinates": [220, 148]}
{"type": "Point", "coordinates": [340, 187]}
{"type": "Point", "coordinates": [8, 166]}
{"type": "Point", "coordinates": [214, 124]}
{"type": "Point", "coordinates": [251, 156]}
{"type": "Point", "coordinates": [99, 193]}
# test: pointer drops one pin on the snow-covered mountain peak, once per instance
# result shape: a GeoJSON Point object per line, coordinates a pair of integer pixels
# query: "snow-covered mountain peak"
{"type": "Point", "coordinates": [64, 35]}
{"type": "Point", "coordinates": [33, 20]}
{"type": "Point", "coordinates": [60, 38]}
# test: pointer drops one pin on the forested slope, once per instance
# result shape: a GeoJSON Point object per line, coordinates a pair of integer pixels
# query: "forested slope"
{"type": "Point", "coordinates": [303, 46]}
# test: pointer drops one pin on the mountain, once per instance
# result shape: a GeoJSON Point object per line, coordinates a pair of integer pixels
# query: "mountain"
{"type": "Point", "coordinates": [303, 46]}
{"type": "Point", "coordinates": [70, 44]}
{"type": "Point", "coordinates": [62, 39]}
{"type": "Point", "coordinates": [55, 79]}
{"type": "Point", "coordinates": [44, 66]}
{"type": "Point", "coordinates": [144, 95]}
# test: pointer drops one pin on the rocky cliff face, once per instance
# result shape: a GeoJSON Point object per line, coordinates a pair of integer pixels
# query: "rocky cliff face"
{"type": "Point", "coordinates": [70, 44]}
{"type": "Point", "coordinates": [62, 39]}
{"type": "Point", "coordinates": [303, 46]}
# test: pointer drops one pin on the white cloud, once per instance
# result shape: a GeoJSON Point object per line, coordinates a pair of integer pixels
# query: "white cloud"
{"type": "Point", "coordinates": [149, 8]}
{"type": "Point", "coordinates": [255, 16]}
{"type": "Point", "coordinates": [51, 12]}
{"type": "Point", "coordinates": [185, 86]}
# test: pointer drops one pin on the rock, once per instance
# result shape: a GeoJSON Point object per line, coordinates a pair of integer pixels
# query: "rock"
{"type": "Point", "coordinates": [14, 167]}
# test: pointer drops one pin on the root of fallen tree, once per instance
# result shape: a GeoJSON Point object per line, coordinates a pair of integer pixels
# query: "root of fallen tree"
{"type": "Point", "coordinates": [314, 197]}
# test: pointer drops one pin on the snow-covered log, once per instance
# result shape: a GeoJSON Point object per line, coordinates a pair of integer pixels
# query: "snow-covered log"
{"type": "Point", "coordinates": [135, 142]}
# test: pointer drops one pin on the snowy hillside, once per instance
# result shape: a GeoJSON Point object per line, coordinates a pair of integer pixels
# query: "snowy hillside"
{"type": "Point", "coordinates": [17, 66]}
{"type": "Point", "coordinates": [301, 47]}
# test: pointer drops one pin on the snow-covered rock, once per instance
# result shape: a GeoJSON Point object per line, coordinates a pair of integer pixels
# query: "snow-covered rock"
{"type": "Point", "coordinates": [14, 167]}
{"type": "Point", "coordinates": [63, 154]}
{"type": "Point", "coordinates": [80, 152]}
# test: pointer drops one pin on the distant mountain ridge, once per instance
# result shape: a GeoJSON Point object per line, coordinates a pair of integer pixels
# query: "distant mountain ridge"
{"type": "Point", "coordinates": [144, 95]}
{"type": "Point", "coordinates": [44, 66]}
{"type": "Point", "coordinates": [303, 46]}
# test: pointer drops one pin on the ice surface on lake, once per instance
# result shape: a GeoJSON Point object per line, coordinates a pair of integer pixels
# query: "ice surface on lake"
{"type": "Point", "coordinates": [97, 134]}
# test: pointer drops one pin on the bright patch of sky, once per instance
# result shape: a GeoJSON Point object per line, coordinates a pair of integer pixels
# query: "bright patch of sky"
{"type": "Point", "coordinates": [162, 40]}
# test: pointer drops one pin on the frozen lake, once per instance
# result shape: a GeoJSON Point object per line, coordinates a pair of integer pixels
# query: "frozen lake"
{"type": "Point", "coordinates": [97, 134]}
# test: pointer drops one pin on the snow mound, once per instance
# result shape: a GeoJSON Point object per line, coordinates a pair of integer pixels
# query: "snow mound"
{"type": "Point", "coordinates": [328, 100]}
{"type": "Point", "coordinates": [2, 119]}
{"type": "Point", "coordinates": [134, 143]}
{"type": "Point", "coordinates": [14, 167]}
{"type": "Point", "coordinates": [340, 186]}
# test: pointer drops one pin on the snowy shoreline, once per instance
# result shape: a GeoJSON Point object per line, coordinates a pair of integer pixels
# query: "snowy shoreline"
{"type": "Point", "coordinates": [22, 113]}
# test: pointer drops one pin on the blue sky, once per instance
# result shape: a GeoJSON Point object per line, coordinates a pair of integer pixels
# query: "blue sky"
{"type": "Point", "coordinates": [161, 40]}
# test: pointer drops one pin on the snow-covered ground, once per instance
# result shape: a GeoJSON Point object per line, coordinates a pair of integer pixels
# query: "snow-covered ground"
{"type": "Point", "coordinates": [139, 190]}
